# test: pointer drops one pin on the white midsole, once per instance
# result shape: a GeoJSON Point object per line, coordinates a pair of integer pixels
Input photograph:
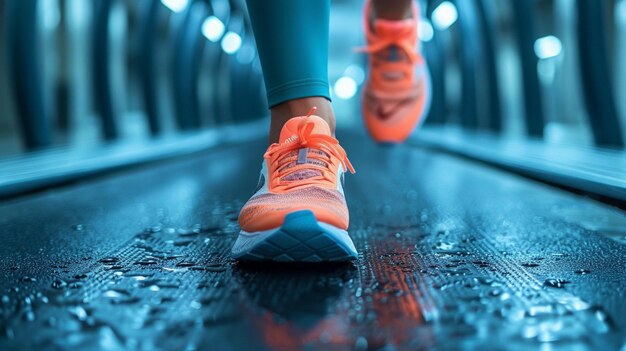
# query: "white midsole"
{"type": "Point", "coordinates": [248, 240]}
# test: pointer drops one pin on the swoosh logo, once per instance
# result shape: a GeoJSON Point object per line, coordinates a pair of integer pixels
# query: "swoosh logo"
{"type": "Point", "coordinates": [385, 114]}
{"type": "Point", "coordinates": [382, 114]}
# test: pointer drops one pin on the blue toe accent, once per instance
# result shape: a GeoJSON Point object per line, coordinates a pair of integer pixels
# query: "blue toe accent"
{"type": "Point", "coordinates": [301, 222]}
{"type": "Point", "coordinates": [301, 238]}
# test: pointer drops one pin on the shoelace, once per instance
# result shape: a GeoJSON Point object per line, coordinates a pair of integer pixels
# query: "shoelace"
{"type": "Point", "coordinates": [279, 157]}
{"type": "Point", "coordinates": [398, 40]}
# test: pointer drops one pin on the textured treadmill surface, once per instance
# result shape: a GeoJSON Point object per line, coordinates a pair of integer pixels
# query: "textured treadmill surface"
{"type": "Point", "coordinates": [452, 254]}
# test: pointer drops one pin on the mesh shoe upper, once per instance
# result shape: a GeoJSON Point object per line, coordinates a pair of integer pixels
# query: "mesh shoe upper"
{"type": "Point", "coordinates": [268, 210]}
{"type": "Point", "coordinates": [301, 172]}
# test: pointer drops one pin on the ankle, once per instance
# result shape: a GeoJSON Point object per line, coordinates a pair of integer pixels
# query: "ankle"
{"type": "Point", "coordinates": [300, 107]}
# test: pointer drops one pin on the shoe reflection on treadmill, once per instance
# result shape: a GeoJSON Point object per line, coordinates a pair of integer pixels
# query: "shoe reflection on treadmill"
{"type": "Point", "coordinates": [299, 305]}
{"type": "Point", "coordinates": [337, 306]}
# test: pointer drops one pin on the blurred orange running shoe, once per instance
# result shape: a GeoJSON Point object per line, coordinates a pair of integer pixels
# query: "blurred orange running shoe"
{"type": "Point", "coordinates": [396, 96]}
{"type": "Point", "coordinates": [299, 211]}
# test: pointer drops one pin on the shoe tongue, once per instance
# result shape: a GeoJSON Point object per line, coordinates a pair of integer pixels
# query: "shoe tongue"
{"type": "Point", "coordinates": [289, 133]}
{"type": "Point", "coordinates": [383, 28]}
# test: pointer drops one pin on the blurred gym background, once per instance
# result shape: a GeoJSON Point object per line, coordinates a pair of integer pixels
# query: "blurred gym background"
{"type": "Point", "coordinates": [92, 85]}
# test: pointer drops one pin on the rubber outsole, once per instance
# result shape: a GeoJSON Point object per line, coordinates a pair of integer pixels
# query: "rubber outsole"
{"type": "Point", "coordinates": [301, 238]}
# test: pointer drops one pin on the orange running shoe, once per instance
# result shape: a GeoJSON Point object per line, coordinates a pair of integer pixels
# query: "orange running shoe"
{"type": "Point", "coordinates": [299, 211]}
{"type": "Point", "coordinates": [396, 96]}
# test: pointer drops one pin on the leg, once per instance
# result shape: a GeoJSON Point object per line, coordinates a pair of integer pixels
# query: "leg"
{"type": "Point", "coordinates": [292, 39]}
{"type": "Point", "coordinates": [299, 211]}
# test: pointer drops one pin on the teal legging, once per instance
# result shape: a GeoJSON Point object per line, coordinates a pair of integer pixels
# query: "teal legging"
{"type": "Point", "coordinates": [292, 39]}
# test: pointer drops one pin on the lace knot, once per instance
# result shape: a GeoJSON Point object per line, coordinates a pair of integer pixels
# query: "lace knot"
{"type": "Point", "coordinates": [317, 169]}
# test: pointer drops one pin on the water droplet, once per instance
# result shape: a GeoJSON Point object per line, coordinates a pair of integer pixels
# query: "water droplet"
{"type": "Point", "coordinates": [582, 271]}
{"type": "Point", "coordinates": [530, 264]}
{"type": "Point", "coordinates": [443, 287]}
{"type": "Point", "coordinates": [59, 284]}
{"type": "Point", "coordinates": [141, 244]}
{"type": "Point", "coordinates": [600, 315]}
{"type": "Point", "coordinates": [573, 303]}
{"type": "Point", "coordinates": [109, 260]}
{"type": "Point", "coordinates": [147, 261]}
{"type": "Point", "coordinates": [185, 264]}
{"type": "Point", "coordinates": [471, 283]}
{"type": "Point", "coordinates": [75, 285]}
{"type": "Point", "coordinates": [169, 285]}
{"type": "Point", "coordinates": [29, 315]}
{"type": "Point", "coordinates": [119, 296]}
{"type": "Point", "coordinates": [540, 310]}
{"type": "Point", "coordinates": [79, 312]}
{"type": "Point", "coordinates": [495, 292]}
{"type": "Point", "coordinates": [5, 299]}
{"type": "Point", "coordinates": [444, 246]}
{"type": "Point", "coordinates": [154, 229]}
{"type": "Point", "coordinates": [170, 269]}
{"type": "Point", "coordinates": [215, 267]}
{"type": "Point", "coordinates": [115, 293]}
{"type": "Point", "coordinates": [182, 242]}
{"type": "Point", "coordinates": [555, 283]}
{"type": "Point", "coordinates": [188, 231]}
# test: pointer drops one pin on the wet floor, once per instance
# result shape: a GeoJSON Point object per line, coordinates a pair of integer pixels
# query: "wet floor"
{"type": "Point", "coordinates": [452, 255]}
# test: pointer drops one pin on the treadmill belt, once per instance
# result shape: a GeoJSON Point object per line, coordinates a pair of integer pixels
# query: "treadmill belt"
{"type": "Point", "coordinates": [452, 254]}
